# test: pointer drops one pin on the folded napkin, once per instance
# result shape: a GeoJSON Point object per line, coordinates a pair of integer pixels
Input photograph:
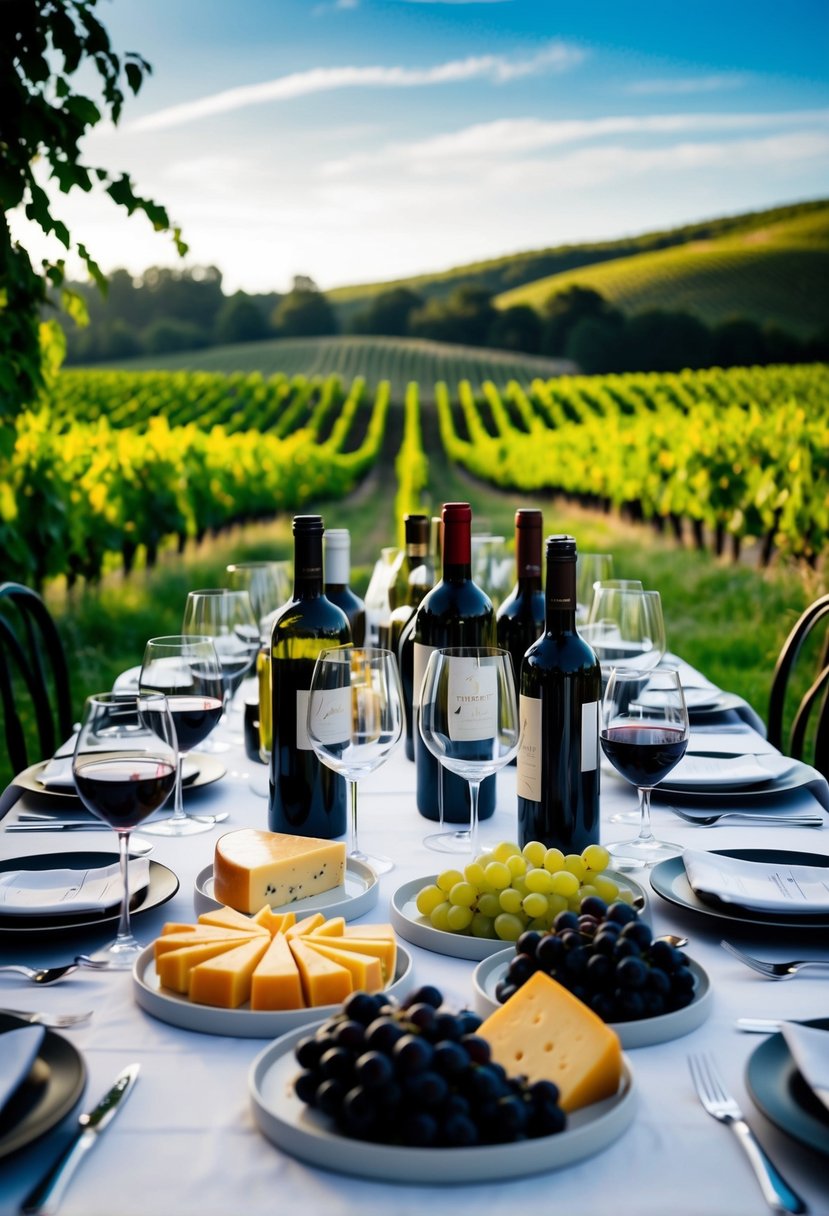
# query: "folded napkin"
{"type": "Point", "coordinates": [742, 741]}
{"type": "Point", "coordinates": [810, 1051]}
{"type": "Point", "coordinates": [43, 892]}
{"type": "Point", "coordinates": [729, 770]}
{"type": "Point", "coordinates": [757, 885]}
{"type": "Point", "coordinates": [18, 1052]}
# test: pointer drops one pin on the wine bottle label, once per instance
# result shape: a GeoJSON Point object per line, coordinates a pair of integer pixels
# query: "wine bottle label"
{"type": "Point", "coordinates": [589, 736]}
{"type": "Point", "coordinates": [421, 660]}
{"type": "Point", "coordinates": [472, 699]}
{"type": "Point", "coordinates": [529, 754]}
{"type": "Point", "coordinates": [332, 717]}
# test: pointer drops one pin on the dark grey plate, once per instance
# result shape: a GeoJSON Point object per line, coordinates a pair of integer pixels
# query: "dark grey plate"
{"type": "Point", "coordinates": [35, 1108]}
{"type": "Point", "coordinates": [783, 1096]}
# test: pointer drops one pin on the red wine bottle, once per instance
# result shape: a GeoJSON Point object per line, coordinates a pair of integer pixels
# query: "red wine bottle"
{"type": "Point", "coordinates": [454, 613]}
{"type": "Point", "coordinates": [520, 618]}
{"type": "Point", "coordinates": [306, 797]}
{"type": "Point", "coordinates": [560, 691]}
{"type": "Point", "coordinates": [337, 553]}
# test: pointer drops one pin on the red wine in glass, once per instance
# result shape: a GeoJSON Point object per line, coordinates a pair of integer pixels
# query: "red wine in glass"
{"type": "Point", "coordinates": [194, 718]}
{"type": "Point", "coordinates": [644, 755]}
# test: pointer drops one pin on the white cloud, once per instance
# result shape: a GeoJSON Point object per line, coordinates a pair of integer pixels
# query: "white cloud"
{"type": "Point", "coordinates": [557, 56]}
{"type": "Point", "coordinates": [690, 84]}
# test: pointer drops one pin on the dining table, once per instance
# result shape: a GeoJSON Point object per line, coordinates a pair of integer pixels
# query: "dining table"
{"type": "Point", "coordinates": [187, 1143]}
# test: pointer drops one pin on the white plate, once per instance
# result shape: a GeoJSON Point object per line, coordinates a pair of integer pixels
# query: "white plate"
{"type": "Point", "coordinates": [641, 1033]}
{"type": "Point", "coordinates": [416, 929]}
{"type": "Point", "coordinates": [755, 797]}
{"type": "Point", "coordinates": [357, 895]}
{"type": "Point", "coordinates": [241, 1023]}
{"type": "Point", "coordinates": [719, 772]}
{"type": "Point", "coordinates": [308, 1135]}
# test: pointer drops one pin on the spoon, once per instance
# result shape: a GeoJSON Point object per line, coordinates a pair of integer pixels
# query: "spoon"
{"type": "Point", "coordinates": [672, 940]}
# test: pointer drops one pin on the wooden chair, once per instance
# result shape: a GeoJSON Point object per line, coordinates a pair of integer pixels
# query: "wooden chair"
{"type": "Point", "coordinates": [34, 678]}
{"type": "Point", "coordinates": [816, 697]}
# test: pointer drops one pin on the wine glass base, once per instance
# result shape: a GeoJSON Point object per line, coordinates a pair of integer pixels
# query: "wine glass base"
{"type": "Point", "coordinates": [213, 747]}
{"type": "Point", "coordinates": [641, 854]}
{"type": "Point", "coordinates": [449, 842]}
{"type": "Point", "coordinates": [378, 862]}
{"type": "Point", "coordinates": [186, 826]}
{"type": "Point", "coordinates": [118, 956]}
{"type": "Point", "coordinates": [631, 817]}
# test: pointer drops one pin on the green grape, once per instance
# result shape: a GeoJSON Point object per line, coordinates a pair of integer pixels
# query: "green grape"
{"type": "Point", "coordinates": [497, 875]}
{"type": "Point", "coordinates": [510, 900]}
{"type": "Point", "coordinates": [489, 904]}
{"type": "Point", "coordinates": [429, 898]}
{"type": "Point", "coordinates": [607, 888]}
{"type": "Point", "coordinates": [504, 850]}
{"type": "Point", "coordinates": [596, 857]}
{"type": "Point", "coordinates": [459, 918]}
{"type": "Point", "coordinates": [541, 924]}
{"type": "Point", "coordinates": [540, 881]}
{"type": "Point", "coordinates": [448, 878]}
{"type": "Point", "coordinates": [555, 904]}
{"type": "Point", "coordinates": [554, 860]}
{"type": "Point", "coordinates": [463, 895]}
{"type": "Point", "coordinates": [626, 895]}
{"type": "Point", "coordinates": [565, 883]}
{"type": "Point", "coordinates": [575, 865]}
{"type": "Point", "coordinates": [509, 928]}
{"type": "Point", "coordinates": [520, 884]}
{"type": "Point", "coordinates": [474, 873]}
{"type": "Point", "coordinates": [534, 851]}
{"type": "Point", "coordinates": [585, 890]}
{"type": "Point", "coordinates": [535, 904]}
{"type": "Point", "coordinates": [517, 865]}
{"type": "Point", "coordinates": [439, 916]}
{"type": "Point", "coordinates": [482, 926]}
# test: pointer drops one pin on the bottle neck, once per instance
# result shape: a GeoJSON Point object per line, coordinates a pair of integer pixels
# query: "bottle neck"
{"type": "Point", "coordinates": [560, 597]}
{"type": "Point", "coordinates": [307, 566]}
{"type": "Point", "coordinates": [457, 550]}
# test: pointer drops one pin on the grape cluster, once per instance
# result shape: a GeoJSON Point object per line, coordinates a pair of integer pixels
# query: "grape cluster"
{"type": "Point", "coordinates": [418, 1075]}
{"type": "Point", "coordinates": [605, 956]}
{"type": "Point", "coordinates": [502, 893]}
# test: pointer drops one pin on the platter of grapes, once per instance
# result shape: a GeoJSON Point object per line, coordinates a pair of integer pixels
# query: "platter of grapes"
{"type": "Point", "coordinates": [475, 912]}
{"type": "Point", "coordinates": [414, 1093]}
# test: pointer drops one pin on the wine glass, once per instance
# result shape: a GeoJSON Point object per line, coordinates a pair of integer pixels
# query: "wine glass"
{"type": "Point", "coordinates": [493, 567]}
{"type": "Point", "coordinates": [644, 736]}
{"type": "Point", "coordinates": [124, 767]}
{"type": "Point", "coordinates": [591, 568]}
{"type": "Point", "coordinates": [227, 617]}
{"type": "Point", "coordinates": [626, 629]}
{"type": "Point", "coordinates": [468, 719]}
{"type": "Point", "coordinates": [185, 668]}
{"type": "Point", "coordinates": [355, 719]}
{"type": "Point", "coordinates": [267, 583]}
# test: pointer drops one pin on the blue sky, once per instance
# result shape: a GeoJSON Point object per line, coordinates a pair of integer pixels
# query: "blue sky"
{"type": "Point", "coordinates": [356, 140]}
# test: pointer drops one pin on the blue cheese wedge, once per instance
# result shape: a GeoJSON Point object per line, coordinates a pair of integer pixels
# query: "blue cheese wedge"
{"type": "Point", "coordinates": [253, 868]}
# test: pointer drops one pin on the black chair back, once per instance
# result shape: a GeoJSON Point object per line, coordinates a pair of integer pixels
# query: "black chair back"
{"type": "Point", "coordinates": [34, 678]}
{"type": "Point", "coordinates": [816, 697]}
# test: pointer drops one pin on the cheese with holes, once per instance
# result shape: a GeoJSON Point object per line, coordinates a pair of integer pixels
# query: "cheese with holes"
{"type": "Point", "coordinates": [366, 971]}
{"type": "Point", "coordinates": [252, 868]}
{"type": "Point", "coordinates": [276, 983]}
{"type": "Point", "coordinates": [173, 968]}
{"type": "Point", "coordinates": [545, 1033]}
{"type": "Point", "coordinates": [323, 982]}
{"type": "Point", "coordinates": [226, 981]}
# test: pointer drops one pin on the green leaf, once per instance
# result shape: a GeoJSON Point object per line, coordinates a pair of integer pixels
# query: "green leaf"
{"type": "Point", "coordinates": [135, 77]}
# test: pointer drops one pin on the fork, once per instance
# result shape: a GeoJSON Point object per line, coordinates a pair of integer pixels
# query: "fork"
{"type": "Point", "coordinates": [49, 975]}
{"type": "Point", "coordinates": [721, 1106]}
{"type": "Point", "coordinates": [797, 821]}
{"type": "Point", "coordinates": [776, 971]}
{"type": "Point", "coordinates": [56, 1020]}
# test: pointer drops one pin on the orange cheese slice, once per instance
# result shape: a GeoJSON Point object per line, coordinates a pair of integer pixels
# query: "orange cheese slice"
{"type": "Point", "coordinates": [229, 918]}
{"type": "Point", "coordinates": [323, 982]}
{"type": "Point", "coordinates": [173, 967]}
{"type": "Point", "coordinates": [335, 927]}
{"type": "Point", "coordinates": [274, 922]}
{"type": "Point", "coordinates": [306, 925]}
{"type": "Point", "coordinates": [276, 982]}
{"type": "Point", "coordinates": [377, 947]}
{"type": "Point", "coordinates": [251, 868]}
{"type": "Point", "coordinates": [202, 935]}
{"type": "Point", "coordinates": [369, 931]}
{"type": "Point", "coordinates": [225, 981]}
{"type": "Point", "coordinates": [366, 972]}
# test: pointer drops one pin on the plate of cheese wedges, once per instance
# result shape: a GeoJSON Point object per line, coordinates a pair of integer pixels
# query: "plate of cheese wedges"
{"type": "Point", "coordinates": [260, 977]}
{"type": "Point", "coordinates": [302, 874]}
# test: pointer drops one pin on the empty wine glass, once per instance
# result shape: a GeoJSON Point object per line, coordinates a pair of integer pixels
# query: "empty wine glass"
{"type": "Point", "coordinates": [644, 736]}
{"type": "Point", "coordinates": [591, 568]}
{"type": "Point", "coordinates": [355, 719]}
{"type": "Point", "coordinates": [269, 586]}
{"type": "Point", "coordinates": [124, 767]}
{"type": "Point", "coordinates": [626, 629]}
{"type": "Point", "coordinates": [468, 719]}
{"type": "Point", "coordinates": [186, 669]}
{"type": "Point", "coordinates": [493, 567]}
{"type": "Point", "coordinates": [227, 617]}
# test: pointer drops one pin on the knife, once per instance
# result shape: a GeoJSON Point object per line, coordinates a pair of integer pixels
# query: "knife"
{"type": "Point", "coordinates": [45, 1197]}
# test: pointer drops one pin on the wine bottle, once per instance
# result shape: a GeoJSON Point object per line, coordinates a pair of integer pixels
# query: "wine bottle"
{"type": "Point", "coordinates": [560, 691]}
{"type": "Point", "coordinates": [454, 613]}
{"type": "Point", "coordinates": [337, 550]}
{"type": "Point", "coordinates": [415, 578]}
{"type": "Point", "coordinates": [306, 797]}
{"type": "Point", "coordinates": [520, 619]}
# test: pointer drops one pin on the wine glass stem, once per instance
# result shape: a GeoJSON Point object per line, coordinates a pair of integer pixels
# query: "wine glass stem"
{"type": "Point", "coordinates": [124, 931]}
{"type": "Point", "coordinates": [474, 791]}
{"type": "Point", "coordinates": [352, 791]}
{"type": "Point", "coordinates": [178, 811]}
{"type": "Point", "coordinates": [645, 830]}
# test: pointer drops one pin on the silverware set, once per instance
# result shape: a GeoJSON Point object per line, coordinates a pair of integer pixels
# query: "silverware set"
{"type": "Point", "coordinates": [49, 975]}
{"type": "Point", "coordinates": [57, 1021]}
{"type": "Point", "coordinates": [767, 818]}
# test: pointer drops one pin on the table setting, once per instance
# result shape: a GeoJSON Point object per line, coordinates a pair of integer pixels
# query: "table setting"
{"type": "Point", "coordinates": [213, 1115]}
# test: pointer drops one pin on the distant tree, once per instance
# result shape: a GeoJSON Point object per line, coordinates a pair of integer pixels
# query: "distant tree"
{"type": "Point", "coordinates": [164, 337]}
{"type": "Point", "coordinates": [304, 313]}
{"type": "Point", "coordinates": [782, 347]}
{"type": "Point", "coordinates": [563, 311]}
{"type": "Point", "coordinates": [667, 342]}
{"type": "Point", "coordinates": [738, 342]}
{"type": "Point", "coordinates": [516, 328]}
{"type": "Point", "coordinates": [464, 317]}
{"type": "Point", "coordinates": [240, 320]}
{"type": "Point", "coordinates": [597, 344]}
{"type": "Point", "coordinates": [120, 341]}
{"type": "Point", "coordinates": [388, 313]}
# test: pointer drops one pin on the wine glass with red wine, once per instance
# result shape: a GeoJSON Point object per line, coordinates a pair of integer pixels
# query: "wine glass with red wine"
{"type": "Point", "coordinates": [644, 736]}
{"type": "Point", "coordinates": [125, 769]}
{"type": "Point", "coordinates": [186, 669]}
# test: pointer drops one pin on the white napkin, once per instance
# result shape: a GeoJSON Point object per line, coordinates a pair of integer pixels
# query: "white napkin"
{"type": "Point", "coordinates": [759, 886]}
{"type": "Point", "coordinates": [745, 742]}
{"type": "Point", "coordinates": [43, 892]}
{"type": "Point", "coordinates": [810, 1050]}
{"type": "Point", "coordinates": [729, 770]}
{"type": "Point", "coordinates": [18, 1052]}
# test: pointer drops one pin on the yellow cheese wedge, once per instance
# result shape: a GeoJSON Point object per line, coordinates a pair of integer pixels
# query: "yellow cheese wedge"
{"type": "Point", "coordinates": [274, 922]}
{"type": "Point", "coordinates": [251, 868]}
{"type": "Point", "coordinates": [547, 1034]}
{"type": "Point", "coordinates": [376, 947]}
{"type": "Point", "coordinates": [366, 972]}
{"type": "Point", "coordinates": [369, 931]}
{"type": "Point", "coordinates": [202, 935]}
{"type": "Point", "coordinates": [173, 967]}
{"type": "Point", "coordinates": [306, 925]}
{"type": "Point", "coordinates": [276, 983]}
{"type": "Point", "coordinates": [229, 918]}
{"type": "Point", "coordinates": [335, 927]}
{"type": "Point", "coordinates": [225, 981]}
{"type": "Point", "coordinates": [172, 926]}
{"type": "Point", "coordinates": [323, 981]}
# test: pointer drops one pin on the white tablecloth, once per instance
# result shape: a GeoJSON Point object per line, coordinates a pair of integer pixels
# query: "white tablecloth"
{"type": "Point", "coordinates": [186, 1140]}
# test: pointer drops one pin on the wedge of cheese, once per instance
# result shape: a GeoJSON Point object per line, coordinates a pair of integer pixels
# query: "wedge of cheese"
{"type": "Point", "coordinates": [229, 918]}
{"type": "Point", "coordinates": [307, 925]}
{"type": "Point", "coordinates": [225, 981]}
{"type": "Point", "coordinates": [382, 948]}
{"type": "Point", "coordinates": [276, 982]}
{"type": "Point", "coordinates": [201, 935]}
{"type": "Point", "coordinates": [251, 868]}
{"type": "Point", "coordinates": [335, 927]}
{"type": "Point", "coordinates": [546, 1034]}
{"type": "Point", "coordinates": [366, 971]}
{"type": "Point", "coordinates": [274, 922]}
{"type": "Point", "coordinates": [173, 968]}
{"type": "Point", "coordinates": [383, 930]}
{"type": "Point", "coordinates": [323, 982]}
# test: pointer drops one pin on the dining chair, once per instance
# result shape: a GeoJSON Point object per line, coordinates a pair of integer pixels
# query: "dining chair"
{"type": "Point", "coordinates": [815, 698]}
{"type": "Point", "coordinates": [34, 677]}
